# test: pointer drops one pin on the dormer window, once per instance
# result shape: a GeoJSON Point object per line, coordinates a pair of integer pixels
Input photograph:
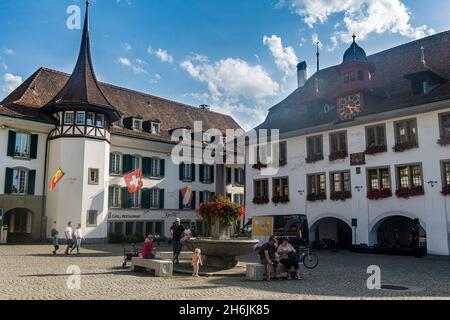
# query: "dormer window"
{"type": "Point", "coordinates": [156, 128]}
{"type": "Point", "coordinates": [137, 124]}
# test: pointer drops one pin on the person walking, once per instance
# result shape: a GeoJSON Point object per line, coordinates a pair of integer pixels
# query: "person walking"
{"type": "Point", "coordinates": [55, 241]}
{"type": "Point", "coordinates": [176, 232]}
{"type": "Point", "coordinates": [68, 233]}
{"type": "Point", "coordinates": [415, 238]}
{"type": "Point", "coordinates": [267, 256]}
{"type": "Point", "coordinates": [78, 236]}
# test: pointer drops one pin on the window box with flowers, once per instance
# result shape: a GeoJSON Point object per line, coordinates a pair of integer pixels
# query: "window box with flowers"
{"type": "Point", "coordinates": [374, 149]}
{"type": "Point", "coordinates": [340, 195]}
{"type": "Point", "coordinates": [407, 193]}
{"type": "Point", "coordinates": [280, 199]}
{"type": "Point", "coordinates": [317, 197]}
{"type": "Point", "coordinates": [444, 141]}
{"type": "Point", "coordinates": [336, 155]}
{"type": "Point", "coordinates": [446, 190]}
{"type": "Point", "coordinates": [314, 158]}
{"type": "Point", "coordinates": [261, 200]}
{"type": "Point", "coordinates": [379, 194]}
{"type": "Point", "coordinates": [404, 146]}
{"type": "Point", "coordinates": [259, 165]}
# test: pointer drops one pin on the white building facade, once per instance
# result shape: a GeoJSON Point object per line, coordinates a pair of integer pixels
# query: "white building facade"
{"type": "Point", "coordinates": [363, 160]}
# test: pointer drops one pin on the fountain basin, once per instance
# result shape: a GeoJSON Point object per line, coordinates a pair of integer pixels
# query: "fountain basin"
{"type": "Point", "coordinates": [221, 254]}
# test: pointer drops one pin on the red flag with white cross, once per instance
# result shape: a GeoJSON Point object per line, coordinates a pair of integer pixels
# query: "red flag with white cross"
{"type": "Point", "coordinates": [134, 181]}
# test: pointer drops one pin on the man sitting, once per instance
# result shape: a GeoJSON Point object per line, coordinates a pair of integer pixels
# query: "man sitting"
{"type": "Point", "coordinates": [267, 256]}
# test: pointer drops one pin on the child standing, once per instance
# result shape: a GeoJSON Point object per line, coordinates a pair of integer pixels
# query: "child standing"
{"type": "Point", "coordinates": [55, 237]}
{"type": "Point", "coordinates": [196, 262]}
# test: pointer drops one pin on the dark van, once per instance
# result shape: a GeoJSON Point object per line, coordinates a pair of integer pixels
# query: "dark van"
{"type": "Point", "coordinates": [294, 227]}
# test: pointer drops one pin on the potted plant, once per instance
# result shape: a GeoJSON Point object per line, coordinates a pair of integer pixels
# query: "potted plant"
{"type": "Point", "coordinates": [336, 155]}
{"type": "Point", "coordinates": [260, 200]}
{"type": "Point", "coordinates": [280, 199]}
{"type": "Point", "coordinates": [379, 194]}
{"type": "Point", "coordinates": [340, 195]}
{"type": "Point", "coordinates": [259, 165]}
{"type": "Point", "coordinates": [444, 141]}
{"type": "Point", "coordinates": [316, 197]}
{"type": "Point", "coordinates": [407, 193]}
{"type": "Point", "coordinates": [403, 146]}
{"type": "Point", "coordinates": [221, 214]}
{"type": "Point", "coordinates": [374, 149]}
{"type": "Point", "coordinates": [314, 158]}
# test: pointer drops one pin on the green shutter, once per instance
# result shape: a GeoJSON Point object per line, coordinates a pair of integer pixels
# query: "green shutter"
{"type": "Point", "coordinates": [110, 192]}
{"type": "Point", "coordinates": [162, 168]}
{"type": "Point", "coordinates": [145, 196]}
{"type": "Point", "coordinates": [180, 201]}
{"type": "Point", "coordinates": [193, 203]}
{"type": "Point", "coordinates": [127, 163]}
{"type": "Point", "coordinates": [193, 171]}
{"type": "Point", "coordinates": [201, 197]}
{"type": "Point", "coordinates": [34, 146]}
{"type": "Point", "coordinates": [31, 182]}
{"type": "Point", "coordinates": [126, 200]}
{"type": "Point", "coordinates": [11, 143]}
{"type": "Point", "coordinates": [181, 171]}
{"type": "Point", "coordinates": [228, 176]}
{"type": "Point", "coordinates": [110, 163]}
{"type": "Point", "coordinates": [161, 198]}
{"type": "Point", "coordinates": [8, 180]}
{"type": "Point", "coordinates": [236, 176]}
{"type": "Point", "coordinates": [212, 174]}
{"type": "Point", "coordinates": [202, 174]}
{"type": "Point", "coordinates": [146, 165]}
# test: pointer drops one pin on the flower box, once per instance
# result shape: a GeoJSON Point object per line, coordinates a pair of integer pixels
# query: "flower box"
{"type": "Point", "coordinates": [259, 166]}
{"type": "Point", "coordinates": [316, 197]}
{"type": "Point", "coordinates": [446, 190]}
{"type": "Point", "coordinates": [338, 155]}
{"type": "Point", "coordinates": [407, 193]}
{"type": "Point", "coordinates": [444, 141]}
{"type": "Point", "coordinates": [400, 147]}
{"type": "Point", "coordinates": [340, 195]}
{"type": "Point", "coordinates": [375, 149]}
{"type": "Point", "coordinates": [314, 158]}
{"type": "Point", "coordinates": [379, 194]}
{"type": "Point", "coordinates": [261, 200]}
{"type": "Point", "coordinates": [280, 199]}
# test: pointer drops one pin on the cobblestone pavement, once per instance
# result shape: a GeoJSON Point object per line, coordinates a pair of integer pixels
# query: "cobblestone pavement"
{"type": "Point", "coordinates": [30, 272]}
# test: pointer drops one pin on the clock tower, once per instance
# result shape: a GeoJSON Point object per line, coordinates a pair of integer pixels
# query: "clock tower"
{"type": "Point", "coordinates": [356, 82]}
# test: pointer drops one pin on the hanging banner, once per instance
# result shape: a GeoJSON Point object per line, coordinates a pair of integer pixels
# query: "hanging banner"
{"type": "Point", "coordinates": [262, 229]}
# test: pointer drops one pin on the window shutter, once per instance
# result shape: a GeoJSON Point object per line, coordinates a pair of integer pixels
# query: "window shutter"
{"type": "Point", "coordinates": [202, 173]}
{"type": "Point", "coordinates": [11, 143]}
{"type": "Point", "coordinates": [110, 163]}
{"type": "Point", "coordinates": [201, 197]}
{"type": "Point", "coordinates": [8, 180]}
{"type": "Point", "coordinates": [182, 171]}
{"type": "Point", "coordinates": [228, 176]}
{"type": "Point", "coordinates": [211, 168]}
{"type": "Point", "coordinates": [127, 163]}
{"type": "Point", "coordinates": [161, 198]}
{"type": "Point", "coordinates": [31, 182]}
{"type": "Point", "coordinates": [34, 146]}
{"type": "Point", "coordinates": [145, 194]}
{"type": "Point", "coordinates": [193, 203]}
{"type": "Point", "coordinates": [180, 201]}
{"type": "Point", "coordinates": [162, 168]}
{"type": "Point", "coordinates": [193, 171]}
{"type": "Point", "coordinates": [146, 165]}
{"type": "Point", "coordinates": [110, 194]}
{"type": "Point", "coordinates": [126, 199]}
{"type": "Point", "coordinates": [236, 176]}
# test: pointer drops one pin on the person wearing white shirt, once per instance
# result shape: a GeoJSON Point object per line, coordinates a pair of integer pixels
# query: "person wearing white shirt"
{"type": "Point", "coordinates": [68, 233]}
{"type": "Point", "coordinates": [78, 236]}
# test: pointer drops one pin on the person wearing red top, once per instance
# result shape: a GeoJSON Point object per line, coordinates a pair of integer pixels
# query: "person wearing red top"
{"type": "Point", "coordinates": [147, 250]}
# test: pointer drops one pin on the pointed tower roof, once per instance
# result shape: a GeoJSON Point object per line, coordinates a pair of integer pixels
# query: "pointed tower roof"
{"type": "Point", "coordinates": [82, 89]}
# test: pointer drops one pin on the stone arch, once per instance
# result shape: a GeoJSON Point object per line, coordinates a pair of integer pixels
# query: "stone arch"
{"type": "Point", "coordinates": [20, 224]}
{"type": "Point", "coordinates": [332, 227]}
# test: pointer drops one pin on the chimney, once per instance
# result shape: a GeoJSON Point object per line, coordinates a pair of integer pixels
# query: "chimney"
{"type": "Point", "coordinates": [302, 74]}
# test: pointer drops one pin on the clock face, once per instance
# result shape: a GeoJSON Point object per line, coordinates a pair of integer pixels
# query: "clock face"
{"type": "Point", "coordinates": [349, 107]}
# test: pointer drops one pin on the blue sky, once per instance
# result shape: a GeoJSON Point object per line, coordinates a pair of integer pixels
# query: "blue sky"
{"type": "Point", "coordinates": [238, 56]}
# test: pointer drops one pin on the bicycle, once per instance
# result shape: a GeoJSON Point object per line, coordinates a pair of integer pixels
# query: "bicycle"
{"type": "Point", "coordinates": [310, 260]}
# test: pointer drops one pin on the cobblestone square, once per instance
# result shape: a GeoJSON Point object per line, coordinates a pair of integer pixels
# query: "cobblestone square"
{"type": "Point", "coordinates": [31, 272]}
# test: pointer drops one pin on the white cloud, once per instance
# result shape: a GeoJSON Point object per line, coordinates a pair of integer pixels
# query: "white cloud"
{"type": "Point", "coordinates": [10, 82]}
{"type": "Point", "coordinates": [9, 52]}
{"type": "Point", "coordinates": [135, 68]}
{"type": "Point", "coordinates": [127, 47]}
{"type": "Point", "coordinates": [3, 64]}
{"type": "Point", "coordinates": [362, 17]}
{"type": "Point", "coordinates": [285, 57]}
{"type": "Point", "coordinates": [164, 56]}
{"type": "Point", "coordinates": [235, 88]}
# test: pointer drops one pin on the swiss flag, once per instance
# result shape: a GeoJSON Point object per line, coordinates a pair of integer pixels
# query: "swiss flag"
{"type": "Point", "coordinates": [134, 181]}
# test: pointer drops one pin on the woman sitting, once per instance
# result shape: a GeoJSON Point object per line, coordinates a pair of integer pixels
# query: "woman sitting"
{"type": "Point", "coordinates": [288, 258]}
{"type": "Point", "coordinates": [147, 249]}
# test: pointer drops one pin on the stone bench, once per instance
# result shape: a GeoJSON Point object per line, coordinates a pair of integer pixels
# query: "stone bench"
{"type": "Point", "coordinates": [168, 255]}
{"type": "Point", "coordinates": [257, 271]}
{"type": "Point", "coordinates": [163, 268]}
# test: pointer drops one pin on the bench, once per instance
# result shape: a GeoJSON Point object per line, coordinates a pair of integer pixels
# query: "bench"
{"type": "Point", "coordinates": [168, 255]}
{"type": "Point", "coordinates": [163, 268]}
{"type": "Point", "coordinates": [257, 271]}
